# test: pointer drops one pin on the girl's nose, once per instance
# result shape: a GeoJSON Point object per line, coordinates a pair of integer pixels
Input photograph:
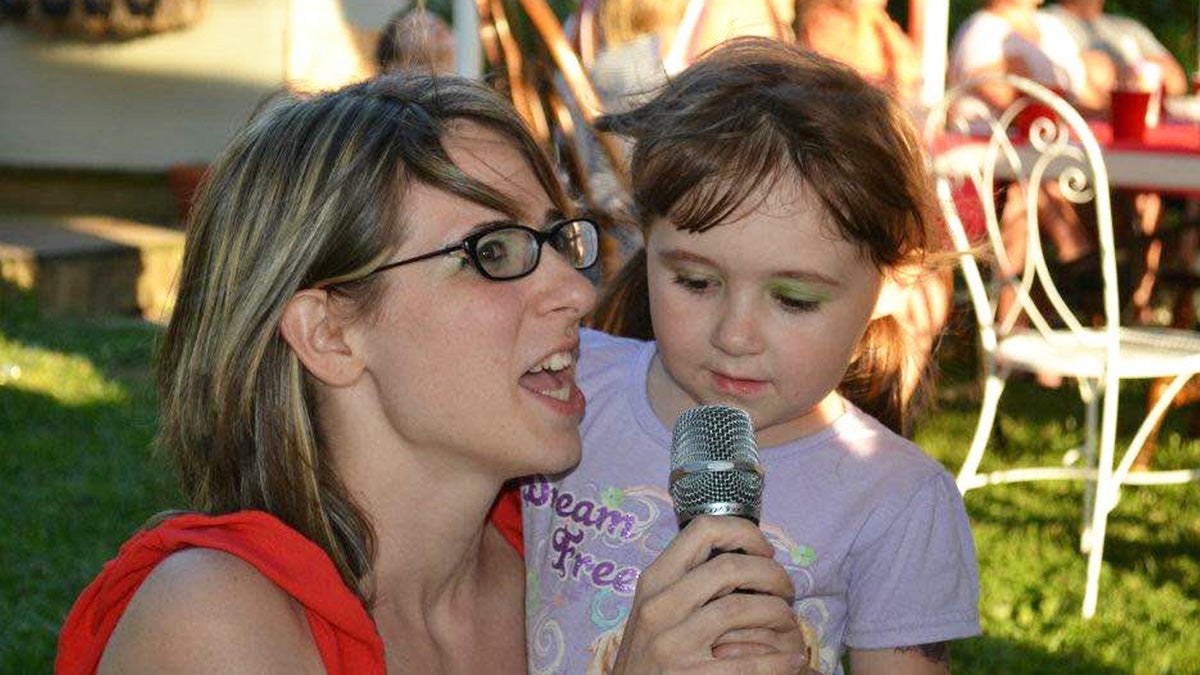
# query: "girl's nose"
{"type": "Point", "coordinates": [737, 332]}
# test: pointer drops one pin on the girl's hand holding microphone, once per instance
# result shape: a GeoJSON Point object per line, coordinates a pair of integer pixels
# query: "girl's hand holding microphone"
{"type": "Point", "coordinates": [698, 613]}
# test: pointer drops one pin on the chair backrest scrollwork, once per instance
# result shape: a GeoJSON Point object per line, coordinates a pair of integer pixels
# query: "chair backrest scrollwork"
{"type": "Point", "coordinates": [999, 172]}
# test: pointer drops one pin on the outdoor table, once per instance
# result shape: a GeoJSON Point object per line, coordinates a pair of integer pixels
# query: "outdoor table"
{"type": "Point", "coordinates": [1167, 161]}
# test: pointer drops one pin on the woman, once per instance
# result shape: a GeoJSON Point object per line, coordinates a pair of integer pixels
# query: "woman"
{"type": "Point", "coordinates": [370, 338]}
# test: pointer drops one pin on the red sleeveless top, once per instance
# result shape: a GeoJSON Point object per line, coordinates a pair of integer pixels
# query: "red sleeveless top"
{"type": "Point", "coordinates": [342, 629]}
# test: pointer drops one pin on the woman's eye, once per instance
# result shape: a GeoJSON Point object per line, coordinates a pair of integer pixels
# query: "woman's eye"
{"type": "Point", "coordinates": [797, 305]}
{"type": "Point", "coordinates": [694, 284]}
{"type": "Point", "coordinates": [492, 251]}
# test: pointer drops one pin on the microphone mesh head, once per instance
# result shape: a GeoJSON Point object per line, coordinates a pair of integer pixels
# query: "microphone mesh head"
{"type": "Point", "coordinates": [714, 464]}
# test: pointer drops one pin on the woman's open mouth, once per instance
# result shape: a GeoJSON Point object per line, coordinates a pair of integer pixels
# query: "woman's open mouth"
{"type": "Point", "coordinates": [553, 380]}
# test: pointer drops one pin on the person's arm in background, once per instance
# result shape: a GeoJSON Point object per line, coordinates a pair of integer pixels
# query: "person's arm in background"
{"type": "Point", "coordinates": [1175, 81]}
{"type": "Point", "coordinates": [906, 61]}
{"type": "Point", "coordinates": [978, 50]}
{"type": "Point", "coordinates": [1068, 59]}
{"type": "Point", "coordinates": [1101, 70]}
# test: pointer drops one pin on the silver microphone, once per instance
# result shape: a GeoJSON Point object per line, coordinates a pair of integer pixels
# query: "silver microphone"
{"type": "Point", "coordinates": [714, 465]}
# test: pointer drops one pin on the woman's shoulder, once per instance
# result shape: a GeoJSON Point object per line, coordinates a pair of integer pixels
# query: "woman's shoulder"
{"type": "Point", "coordinates": [204, 610]}
{"type": "Point", "coordinates": [195, 580]}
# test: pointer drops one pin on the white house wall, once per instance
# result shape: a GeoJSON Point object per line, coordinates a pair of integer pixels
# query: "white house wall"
{"type": "Point", "coordinates": [168, 99]}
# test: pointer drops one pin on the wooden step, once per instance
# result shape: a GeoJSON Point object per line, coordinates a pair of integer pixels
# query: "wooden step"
{"type": "Point", "coordinates": [91, 265]}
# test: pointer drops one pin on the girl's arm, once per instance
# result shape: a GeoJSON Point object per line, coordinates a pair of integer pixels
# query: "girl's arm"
{"type": "Point", "coordinates": [927, 659]}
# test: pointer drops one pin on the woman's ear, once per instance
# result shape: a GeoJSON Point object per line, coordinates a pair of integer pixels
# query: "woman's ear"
{"type": "Point", "coordinates": [317, 333]}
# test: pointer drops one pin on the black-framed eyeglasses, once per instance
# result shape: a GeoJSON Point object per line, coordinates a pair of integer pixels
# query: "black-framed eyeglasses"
{"type": "Point", "coordinates": [510, 251]}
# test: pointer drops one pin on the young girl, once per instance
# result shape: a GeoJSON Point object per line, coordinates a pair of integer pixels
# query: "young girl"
{"type": "Point", "coordinates": [784, 202]}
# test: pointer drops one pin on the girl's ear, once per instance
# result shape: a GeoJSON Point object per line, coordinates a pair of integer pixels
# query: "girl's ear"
{"type": "Point", "coordinates": [893, 291]}
{"type": "Point", "coordinates": [317, 334]}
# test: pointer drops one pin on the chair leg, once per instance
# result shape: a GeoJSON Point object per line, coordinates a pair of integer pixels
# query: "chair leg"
{"type": "Point", "coordinates": [992, 388]}
{"type": "Point", "coordinates": [1101, 506]}
{"type": "Point", "coordinates": [1088, 391]}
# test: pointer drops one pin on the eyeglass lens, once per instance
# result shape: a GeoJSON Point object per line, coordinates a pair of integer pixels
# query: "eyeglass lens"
{"type": "Point", "coordinates": [512, 252]}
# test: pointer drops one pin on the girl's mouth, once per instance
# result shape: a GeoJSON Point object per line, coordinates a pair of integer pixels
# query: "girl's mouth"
{"type": "Point", "coordinates": [737, 386]}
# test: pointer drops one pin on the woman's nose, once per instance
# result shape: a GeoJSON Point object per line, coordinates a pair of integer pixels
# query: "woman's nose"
{"type": "Point", "coordinates": [564, 287]}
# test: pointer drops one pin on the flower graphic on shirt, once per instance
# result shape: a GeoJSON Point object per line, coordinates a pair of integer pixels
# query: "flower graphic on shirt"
{"type": "Point", "coordinates": [607, 610]}
{"type": "Point", "coordinates": [612, 497]}
{"type": "Point", "coordinates": [802, 556]}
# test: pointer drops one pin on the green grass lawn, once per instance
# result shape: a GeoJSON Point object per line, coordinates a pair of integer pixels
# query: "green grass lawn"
{"type": "Point", "coordinates": [79, 476]}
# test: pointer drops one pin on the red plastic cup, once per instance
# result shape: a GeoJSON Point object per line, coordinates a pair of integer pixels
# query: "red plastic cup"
{"type": "Point", "coordinates": [1033, 111]}
{"type": "Point", "coordinates": [1129, 114]}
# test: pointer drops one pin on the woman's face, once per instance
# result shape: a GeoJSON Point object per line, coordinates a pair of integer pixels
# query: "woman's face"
{"type": "Point", "coordinates": [762, 313]}
{"type": "Point", "coordinates": [472, 367]}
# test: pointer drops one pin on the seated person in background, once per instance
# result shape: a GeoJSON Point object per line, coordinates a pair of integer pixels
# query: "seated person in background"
{"type": "Point", "coordinates": [1012, 37]}
{"type": "Point", "coordinates": [636, 36]}
{"type": "Point", "coordinates": [860, 34]}
{"type": "Point", "coordinates": [1112, 45]}
{"type": "Point", "coordinates": [641, 44]}
{"type": "Point", "coordinates": [415, 39]}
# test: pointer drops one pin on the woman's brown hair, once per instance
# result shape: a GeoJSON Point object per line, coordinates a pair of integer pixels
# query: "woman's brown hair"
{"type": "Point", "coordinates": [748, 114]}
{"type": "Point", "coordinates": [309, 194]}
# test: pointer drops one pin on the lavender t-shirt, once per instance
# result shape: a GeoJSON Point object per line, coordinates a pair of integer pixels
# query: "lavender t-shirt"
{"type": "Point", "coordinates": [871, 530]}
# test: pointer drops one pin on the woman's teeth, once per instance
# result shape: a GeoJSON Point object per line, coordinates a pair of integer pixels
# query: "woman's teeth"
{"type": "Point", "coordinates": [554, 363]}
{"type": "Point", "coordinates": [544, 379]}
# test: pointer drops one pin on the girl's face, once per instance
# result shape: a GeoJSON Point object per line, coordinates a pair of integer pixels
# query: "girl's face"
{"type": "Point", "coordinates": [470, 366]}
{"type": "Point", "coordinates": [762, 312]}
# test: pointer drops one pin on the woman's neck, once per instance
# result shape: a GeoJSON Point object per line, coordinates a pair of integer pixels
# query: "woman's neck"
{"type": "Point", "coordinates": [440, 573]}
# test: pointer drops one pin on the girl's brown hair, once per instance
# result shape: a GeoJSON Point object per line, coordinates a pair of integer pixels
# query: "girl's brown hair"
{"type": "Point", "coordinates": [750, 113]}
{"type": "Point", "coordinates": [310, 194]}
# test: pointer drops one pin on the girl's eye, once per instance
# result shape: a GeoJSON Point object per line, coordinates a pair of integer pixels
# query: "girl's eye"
{"type": "Point", "coordinates": [798, 305]}
{"type": "Point", "coordinates": [694, 284]}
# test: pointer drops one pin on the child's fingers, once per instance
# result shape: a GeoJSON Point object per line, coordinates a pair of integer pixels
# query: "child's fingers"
{"type": "Point", "coordinates": [743, 611]}
{"type": "Point", "coordinates": [715, 579]}
{"type": "Point", "coordinates": [754, 641]}
{"type": "Point", "coordinates": [727, 573]}
{"type": "Point", "coordinates": [696, 543]}
{"type": "Point", "coordinates": [687, 645]}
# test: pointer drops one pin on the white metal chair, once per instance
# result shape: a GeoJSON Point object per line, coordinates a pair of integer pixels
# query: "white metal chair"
{"type": "Point", "coordinates": [1042, 331]}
